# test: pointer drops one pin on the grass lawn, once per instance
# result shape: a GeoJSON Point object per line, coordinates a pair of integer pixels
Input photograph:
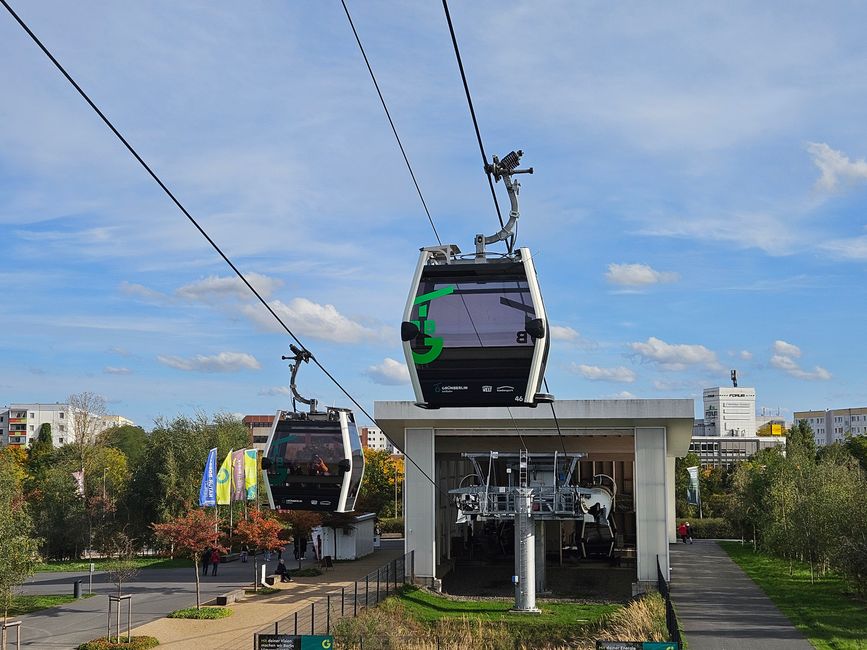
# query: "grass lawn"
{"type": "Point", "coordinates": [428, 608]}
{"type": "Point", "coordinates": [141, 563]}
{"type": "Point", "coordinates": [825, 612]}
{"type": "Point", "coordinates": [25, 604]}
{"type": "Point", "coordinates": [205, 613]}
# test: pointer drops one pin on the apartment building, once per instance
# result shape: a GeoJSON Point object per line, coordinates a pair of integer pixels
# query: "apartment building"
{"type": "Point", "coordinates": [374, 438]}
{"type": "Point", "coordinates": [834, 425]}
{"type": "Point", "coordinates": [20, 423]}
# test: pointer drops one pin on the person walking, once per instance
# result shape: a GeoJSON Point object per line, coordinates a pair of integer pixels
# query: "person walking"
{"type": "Point", "coordinates": [215, 561]}
{"type": "Point", "coordinates": [302, 544]}
{"type": "Point", "coordinates": [682, 530]}
{"type": "Point", "coordinates": [688, 532]}
{"type": "Point", "coordinates": [206, 561]}
{"type": "Point", "coordinates": [283, 572]}
{"type": "Point", "coordinates": [296, 546]}
{"type": "Point", "coordinates": [244, 552]}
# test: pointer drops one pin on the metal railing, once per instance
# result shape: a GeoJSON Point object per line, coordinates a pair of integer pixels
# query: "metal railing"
{"type": "Point", "coordinates": [670, 616]}
{"type": "Point", "coordinates": [320, 615]}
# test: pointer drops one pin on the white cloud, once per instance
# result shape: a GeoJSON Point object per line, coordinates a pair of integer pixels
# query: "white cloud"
{"type": "Point", "coordinates": [310, 319]}
{"type": "Point", "coordinates": [675, 356]}
{"type": "Point", "coordinates": [229, 287]}
{"type": "Point", "coordinates": [852, 248]}
{"type": "Point", "coordinates": [786, 349]}
{"type": "Point", "coordinates": [836, 167]}
{"type": "Point", "coordinates": [624, 394]}
{"type": "Point", "coordinates": [561, 333]}
{"type": "Point", "coordinates": [276, 390]}
{"type": "Point", "coordinates": [784, 359]}
{"type": "Point", "coordinates": [112, 370]}
{"type": "Point", "coordinates": [595, 373]}
{"type": "Point", "coordinates": [222, 362]}
{"type": "Point", "coordinates": [389, 372]}
{"type": "Point", "coordinates": [141, 291]}
{"type": "Point", "coordinates": [746, 355]}
{"type": "Point", "coordinates": [638, 275]}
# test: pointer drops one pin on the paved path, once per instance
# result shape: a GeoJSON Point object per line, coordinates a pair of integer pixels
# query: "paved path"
{"type": "Point", "coordinates": [257, 614]}
{"type": "Point", "coordinates": [721, 608]}
{"type": "Point", "coordinates": [156, 592]}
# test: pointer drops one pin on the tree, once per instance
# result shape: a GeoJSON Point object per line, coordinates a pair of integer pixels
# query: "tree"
{"type": "Point", "coordinates": [131, 440]}
{"type": "Point", "coordinates": [857, 446]}
{"type": "Point", "coordinates": [86, 410]}
{"type": "Point", "coordinates": [259, 532]}
{"type": "Point", "coordinates": [381, 472]}
{"type": "Point", "coordinates": [681, 483]}
{"type": "Point", "coordinates": [18, 548]}
{"type": "Point", "coordinates": [800, 436]}
{"type": "Point", "coordinates": [40, 451]}
{"type": "Point", "coordinates": [189, 536]}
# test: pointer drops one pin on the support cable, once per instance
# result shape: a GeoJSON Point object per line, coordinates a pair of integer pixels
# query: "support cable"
{"type": "Point", "coordinates": [473, 114]}
{"type": "Point", "coordinates": [195, 223]}
{"type": "Point", "coordinates": [391, 122]}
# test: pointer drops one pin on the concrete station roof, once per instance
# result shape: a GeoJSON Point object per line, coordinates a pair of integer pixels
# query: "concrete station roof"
{"type": "Point", "coordinates": [676, 415]}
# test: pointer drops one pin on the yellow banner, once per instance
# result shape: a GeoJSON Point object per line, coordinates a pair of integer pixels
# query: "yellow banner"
{"type": "Point", "coordinates": [224, 481]}
{"type": "Point", "coordinates": [251, 472]}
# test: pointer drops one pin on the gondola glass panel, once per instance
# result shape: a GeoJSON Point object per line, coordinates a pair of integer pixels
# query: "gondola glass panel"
{"type": "Point", "coordinates": [312, 463]}
{"type": "Point", "coordinates": [476, 334]}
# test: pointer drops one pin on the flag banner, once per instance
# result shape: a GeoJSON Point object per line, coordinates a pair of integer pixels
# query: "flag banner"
{"type": "Point", "coordinates": [251, 473]}
{"type": "Point", "coordinates": [208, 488]}
{"type": "Point", "coordinates": [692, 494]}
{"type": "Point", "coordinates": [79, 482]}
{"type": "Point", "coordinates": [239, 488]}
{"type": "Point", "coordinates": [224, 481]}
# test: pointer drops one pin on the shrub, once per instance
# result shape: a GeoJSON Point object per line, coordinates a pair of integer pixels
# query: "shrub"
{"type": "Point", "coordinates": [135, 643]}
{"type": "Point", "coordinates": [711, 529]}
{"type": "Point", "coordinates": [391, 524]}
{"type": "Point", "coordinates": [203, 613]}
{"type": "Point", "coordinates": [308, 572]}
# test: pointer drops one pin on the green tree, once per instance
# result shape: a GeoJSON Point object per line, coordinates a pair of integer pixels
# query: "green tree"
{"type": "Point", "coordinates": [800, 436]}
{"type": "Point", "coordinates": [131, 440]}
{"type": "Point", "coordinates": [857, 446]}
{"type": "Point", "coordinates": [166, 479]}
{"type": "Point", "coordinates": [381, 471]}
{"type": "Point", "coordinates": [681, 483]}
{"type": "Point", "coordinates": [18, 547]}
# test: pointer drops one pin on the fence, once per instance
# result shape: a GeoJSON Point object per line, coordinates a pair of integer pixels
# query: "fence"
{"type": "Point", "coordinates": [670, 616]}
{"type": "Point", "coordinates": [320, 615]}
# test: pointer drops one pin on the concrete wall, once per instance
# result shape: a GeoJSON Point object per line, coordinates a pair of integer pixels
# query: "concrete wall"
{"type": "Point", "coordinates": [420, 513]}
{"type": "Point", "coordinates": [651, 502]}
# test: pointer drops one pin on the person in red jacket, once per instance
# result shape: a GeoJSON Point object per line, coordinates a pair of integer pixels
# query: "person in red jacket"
{"type": "Point", "coordinates": [681, 531]}
{"type": "Point", "coordinates": [215, 561]}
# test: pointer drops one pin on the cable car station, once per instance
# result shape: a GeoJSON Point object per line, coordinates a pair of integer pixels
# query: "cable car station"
{"type": "Point", "coordinates": [631, 443]}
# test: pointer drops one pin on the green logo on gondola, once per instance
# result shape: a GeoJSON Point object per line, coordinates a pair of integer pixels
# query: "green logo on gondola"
{"type": "Point", "coordinates": [427, 327]}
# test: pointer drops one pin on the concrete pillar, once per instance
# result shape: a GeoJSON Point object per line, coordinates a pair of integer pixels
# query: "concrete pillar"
{"type": "Point", "coordinates": [525, 551]}
{"type": "Point", "coordinates": [420, 498]}
{"type": "Point", "coordinates": [651, 502]}
{"type": "Point", "coordinates": [670, 496]}
{"type": "Point", "coordinates": [541, 587]}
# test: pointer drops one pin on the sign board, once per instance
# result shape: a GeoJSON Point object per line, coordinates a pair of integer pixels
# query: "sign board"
{"type": "Point", "coordinates": [293, 642]}
{"type": "Point", "coordinates": [636, 645]}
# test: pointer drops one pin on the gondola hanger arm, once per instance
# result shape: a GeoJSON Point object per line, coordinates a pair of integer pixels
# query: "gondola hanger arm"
{"type": "Point", "coordinates": [504, 169]}
{"type": "Point", "coordinates": [299, 356]}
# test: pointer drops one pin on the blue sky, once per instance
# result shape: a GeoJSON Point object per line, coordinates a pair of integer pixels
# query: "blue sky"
{"type": "Point", "coordinates": [698, 202]}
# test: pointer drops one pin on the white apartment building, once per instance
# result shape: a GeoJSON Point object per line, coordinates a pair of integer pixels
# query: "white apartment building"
{"type": "Point", "coordinates": [20, 423]}
{"type": "Point", "coordinates": [835, 425]}
{"type": "Point", "coordinates": [374, 438]}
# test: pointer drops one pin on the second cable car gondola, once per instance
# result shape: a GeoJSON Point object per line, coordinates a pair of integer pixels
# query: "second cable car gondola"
{"type": "Point", "coordinates": [314, 460]}
{"type": "Point", "coordinates": [474, 330]}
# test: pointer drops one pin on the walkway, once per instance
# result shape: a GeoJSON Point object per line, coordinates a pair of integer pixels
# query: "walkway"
{"type": "Point", "coordinates": [255, 614]}
{"type": "Point", "coordinates": [720, 608]}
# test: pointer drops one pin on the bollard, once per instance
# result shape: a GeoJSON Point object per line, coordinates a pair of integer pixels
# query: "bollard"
{"type": "Point", "coordinates": [76, 589]}
{"type": "Point", "coordinates": [355, 600]}
{"type": "Point", "coordinates": [343, 601]}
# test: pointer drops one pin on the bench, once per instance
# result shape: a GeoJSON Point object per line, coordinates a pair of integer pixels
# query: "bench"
{"type": "Point", "coordinates": [230, 597]}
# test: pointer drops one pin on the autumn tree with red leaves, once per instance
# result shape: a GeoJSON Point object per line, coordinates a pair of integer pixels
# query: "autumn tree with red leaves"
{"type": "Point", "coordinates": [259, 532]}
{"type": "Point", "coordinates": [189, 536]}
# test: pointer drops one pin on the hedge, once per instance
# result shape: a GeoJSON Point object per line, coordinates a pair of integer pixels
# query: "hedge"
{"type": "Point", "coordinates": [711, 528]}
{"type": "Point", "coordinates": [391, 524]}
{"type": "Point", "coordinates": [135, 643]}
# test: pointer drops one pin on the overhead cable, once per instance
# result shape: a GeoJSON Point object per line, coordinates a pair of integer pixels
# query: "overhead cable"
{"type": "Point", "coordinates": [195, 223]}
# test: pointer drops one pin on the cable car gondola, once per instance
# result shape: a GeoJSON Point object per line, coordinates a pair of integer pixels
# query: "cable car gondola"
{"type": "Point", "coordinates": [313, 461]}
{"type": "Point", "coordinates": [474, 329]}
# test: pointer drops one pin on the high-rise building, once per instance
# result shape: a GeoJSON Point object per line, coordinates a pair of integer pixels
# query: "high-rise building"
{"type": "Point", "coordinates": [374, 438]}
{"type": "Point", "coordinates": [731, 431]}
{"type": "Point", "coordinates": [834, 425]}
{"type": "Point", "coordinates": [20, 423]}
